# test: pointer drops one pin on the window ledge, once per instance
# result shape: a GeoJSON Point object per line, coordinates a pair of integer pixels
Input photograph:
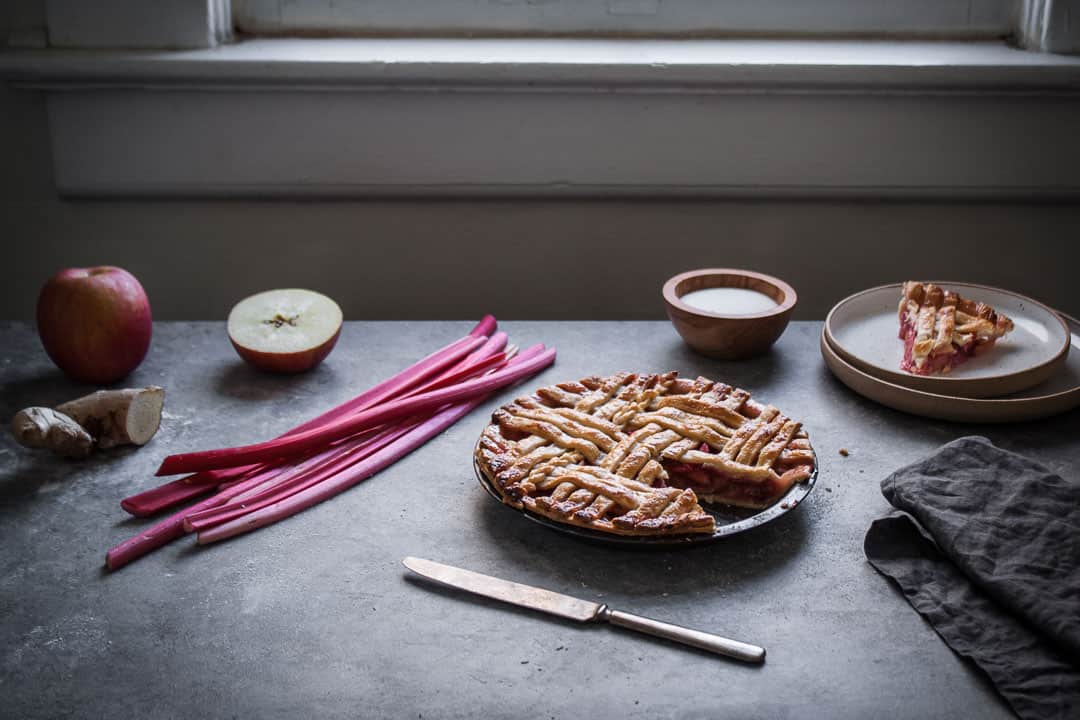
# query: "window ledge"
{"type": "Point", "coordinates": [549, 117]}
{"type": "Point", "coordinates": [736, 63]}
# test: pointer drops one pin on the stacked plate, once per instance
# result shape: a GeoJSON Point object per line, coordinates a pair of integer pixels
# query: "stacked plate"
{"type": "Point", "coordinates": [1028, 374]}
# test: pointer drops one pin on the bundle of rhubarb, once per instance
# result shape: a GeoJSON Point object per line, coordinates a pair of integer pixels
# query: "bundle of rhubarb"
{"type": "Point", "coordinates": [255, 485]}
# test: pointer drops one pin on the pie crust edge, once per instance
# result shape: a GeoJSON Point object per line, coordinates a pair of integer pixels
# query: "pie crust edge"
{"type": "Point", "coordinates": [491, 462]}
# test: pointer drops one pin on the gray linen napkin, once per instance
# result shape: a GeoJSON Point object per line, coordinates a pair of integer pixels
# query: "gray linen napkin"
{"type": "Point", "coordinates": [989, 554]}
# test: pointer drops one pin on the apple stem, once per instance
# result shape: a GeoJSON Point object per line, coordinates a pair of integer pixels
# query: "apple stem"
{"type": "Point", "coordinates": [278, 320]}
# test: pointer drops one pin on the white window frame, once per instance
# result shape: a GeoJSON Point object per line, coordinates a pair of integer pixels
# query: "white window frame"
{"type": "Point", "coordinates": [1051, 26]}
{"type": "Point", "coordinates": [1043, 25]}
{"type": "Point", "coordinates": [585, 117]}
{"type": "Point", "coordinates": [952, 18]}
{"type": "Point", "coordinates": [166, 24]}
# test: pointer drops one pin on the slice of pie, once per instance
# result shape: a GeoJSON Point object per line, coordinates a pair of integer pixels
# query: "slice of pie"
{"type": "Point", "coordinates": [634, 454]}
{"type": "Point", "coordinates": [941, 330]}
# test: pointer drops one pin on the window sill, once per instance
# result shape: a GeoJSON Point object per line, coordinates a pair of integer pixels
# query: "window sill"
{"type": "Point", "coordinates": [292, 117]}
{"type": "Point", "coordinates": [794, 64]}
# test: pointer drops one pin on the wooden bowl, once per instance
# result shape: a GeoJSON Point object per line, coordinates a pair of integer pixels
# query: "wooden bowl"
{"type": "Point", "coordinates": [728, 337]}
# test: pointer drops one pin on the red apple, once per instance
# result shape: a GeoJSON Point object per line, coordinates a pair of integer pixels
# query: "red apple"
{"type": "Point", "coordinates": [94, 323]}
{"type": "Point", "coordinates": [285, 331]}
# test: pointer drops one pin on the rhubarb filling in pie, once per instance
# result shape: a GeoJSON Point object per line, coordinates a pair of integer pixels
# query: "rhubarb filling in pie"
{"type": "Point", "coordinates": [941, 330]}
{"type": "Point", "coordinates": [636, 454]}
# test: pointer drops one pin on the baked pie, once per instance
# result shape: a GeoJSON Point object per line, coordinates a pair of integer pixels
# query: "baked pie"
{"type": "Point", "coordinates": [635, 454]}
{"type": "Point", "coordinates": [941, 330]}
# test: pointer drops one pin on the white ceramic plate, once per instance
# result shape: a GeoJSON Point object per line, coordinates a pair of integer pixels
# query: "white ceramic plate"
{"type": "Point", "coordinates": [863, 328]}
{"type": "Point", "coordinates": [1057, 395]}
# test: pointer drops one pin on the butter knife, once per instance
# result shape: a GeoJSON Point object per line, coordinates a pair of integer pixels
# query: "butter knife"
{"type": "Point", "coordinates": [573, 608]}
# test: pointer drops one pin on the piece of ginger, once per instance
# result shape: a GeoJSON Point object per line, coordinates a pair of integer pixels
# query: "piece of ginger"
{"type": "Point", "coordinates": [104, 419]}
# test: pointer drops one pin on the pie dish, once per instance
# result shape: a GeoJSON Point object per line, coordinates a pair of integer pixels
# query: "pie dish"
{"type": "Point", "coordinates": [941, 329]}
{"type": "Point", "coordinates": [637, 454]}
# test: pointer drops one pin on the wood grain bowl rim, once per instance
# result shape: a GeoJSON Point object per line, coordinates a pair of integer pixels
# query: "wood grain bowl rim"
{"type": "Point", "coordinates": [673, 299]}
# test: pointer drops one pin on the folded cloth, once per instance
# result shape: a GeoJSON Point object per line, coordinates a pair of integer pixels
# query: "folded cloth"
{"type": "Point", "coordinates": [989, 554]}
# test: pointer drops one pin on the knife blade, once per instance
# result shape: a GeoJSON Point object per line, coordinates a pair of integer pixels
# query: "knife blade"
{"type": "Point", "coordinates": [573, 608]}
{"type": "Point", "coordinates": [514, 593]}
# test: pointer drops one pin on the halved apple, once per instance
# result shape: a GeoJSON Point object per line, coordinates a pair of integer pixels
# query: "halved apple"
{"type": "Point", "coordinates": [285, 331]}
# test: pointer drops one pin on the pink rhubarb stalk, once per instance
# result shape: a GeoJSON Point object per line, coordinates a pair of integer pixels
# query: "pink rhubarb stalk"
{"type": "Point", "coordinates": [330, 487]}
{"type": "Point", "coordinates": [275, 492]}
{"type": "Point", "coordinates": [153, 501]}
{"type": "Point", "coordinates": [293, 445]}
{"type": "Point", "coordinates": [345, 455]}
{"type": "Point", "coordinates": [298, 501]}
{"type": "Point", "coordinates": [172, 527]}
{"type": "Point", "coordinates": [172, 493]}
{"type": "Point", "coordinates": [486, 326]}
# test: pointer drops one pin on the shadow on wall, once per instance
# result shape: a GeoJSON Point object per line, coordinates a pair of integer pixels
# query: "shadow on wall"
{"type": "Point", "coordinates": [530, 259]}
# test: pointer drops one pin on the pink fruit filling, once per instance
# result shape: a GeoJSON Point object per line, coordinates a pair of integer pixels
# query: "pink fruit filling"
{"type": "Point", "coordinates": [706, 480]}
{"type": "Point", "coordinates": [940, 362]}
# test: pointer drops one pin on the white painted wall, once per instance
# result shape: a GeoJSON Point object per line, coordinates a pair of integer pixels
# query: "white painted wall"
{"type": "Point", "coordinates": [518, 259]}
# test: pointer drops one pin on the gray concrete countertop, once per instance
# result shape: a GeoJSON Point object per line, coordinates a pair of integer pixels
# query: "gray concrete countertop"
{"type": "Point", "coordinates": [315, 617]}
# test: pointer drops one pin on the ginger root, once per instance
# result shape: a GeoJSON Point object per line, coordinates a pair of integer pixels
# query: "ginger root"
{"type": "Point", "coordinates": [103, 419]}
{"type": "Point", "coordinates": [41, 427]}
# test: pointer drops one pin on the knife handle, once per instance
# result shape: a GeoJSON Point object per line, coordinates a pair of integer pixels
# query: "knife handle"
{"type": "Point", "coordinates": [696, 638]}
